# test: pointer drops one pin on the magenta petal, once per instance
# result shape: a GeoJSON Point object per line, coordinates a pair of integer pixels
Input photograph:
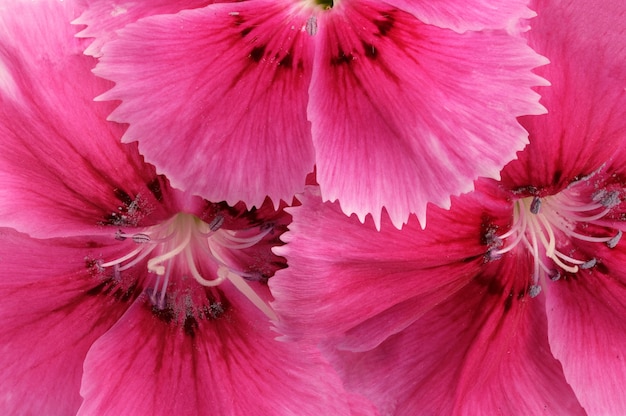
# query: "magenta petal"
{"type": "Point", "coordinates": [588, 335]}
{"type": "Point", "coordinates": [59, 157]}
{"type": "Point", "coordinates": [462, 15]}
{"type": "Point", "coordinates": [377, 282]}
{"type": "Point", "coordinates": [404, 113]}
{"type": "Point", "coordinates": [104, 17]}
{"type": "Point", "coordinates": [48, 321]}
{"type": "Point", "coordinates": [248, 122]}
{"type": "Point", "coordinates": [227, 366]}
{"type": "Point", "coordinates": [586, 119]}
{"type": "Point", "coordinates": [471, 355]}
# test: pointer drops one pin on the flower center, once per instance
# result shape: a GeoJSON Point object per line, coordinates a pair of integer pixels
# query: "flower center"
{"type": "Point", "coordinates": [186, 244]}
{"type": "Point", "coordinates": [545, 226]}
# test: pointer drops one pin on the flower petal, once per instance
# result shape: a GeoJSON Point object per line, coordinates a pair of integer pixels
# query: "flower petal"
{"type": "Point", "coordinates": [49, 317]}
{"type": "Point", "coordinates": [587, 333]}
{"type": "Point", "coordinates": [586, 119]}
{"type": "Point", "coordinates": [377, 282]}
{"type": "Point", "coordinates": [405, 113]}
{"type": "Point", "coordinates": [103, 17]}
{"type": "Point", "coordinates": [248, 122]}
{"type": "Point", "coordinates": [60, 158]}
{"type": "Point", "coordinates": [474, 354]}
{"type": "Point", "coordinates": [229, 366]}
{"type": "Point", "coordinates": [466, 15]}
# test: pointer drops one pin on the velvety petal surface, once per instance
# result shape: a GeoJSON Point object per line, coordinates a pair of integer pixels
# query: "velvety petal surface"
{"type": "Point", "coordinates": [588, 332]}
{"type": "Point", "coordinates": [49, 317]}
{"type": "Point", "coordinates": [216, 97]}
{"type": "Point", "coordinates": [103, 17]}
{"type": "Point", "coordinates": [466, 15]}
{"type": "Point", "coordinates": [405, 113]}
{"type": "Point", "coordinates": [586, 121]}
{"type": "Point", "coordinates": [347, 276]}
{"type": "Point", "coordinates": [226, 366]}
{"type": "Point", "coordinates": [60, 159]}
{"type": "Point", "coordinates": [477, 353]}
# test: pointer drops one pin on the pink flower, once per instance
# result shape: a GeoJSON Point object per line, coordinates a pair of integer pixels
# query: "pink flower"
{"type": "Point", "coordinates": [120, 294]}
{"type": "Point", "coordinates": [513, 301]}
{"type": "Point", "coordinates": [396, 103]}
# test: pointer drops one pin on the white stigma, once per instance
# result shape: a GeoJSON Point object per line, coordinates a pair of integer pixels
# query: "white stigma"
{"type": "Point", "coordinates": [540, 224]}
{"type": "Point", "coordinates": [180, 243]}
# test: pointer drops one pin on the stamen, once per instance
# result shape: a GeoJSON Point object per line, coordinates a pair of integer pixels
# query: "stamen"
{"type": "Point", "coordinates": [542, 224]}
{"type": "Point", "coordinates": [175, 245]}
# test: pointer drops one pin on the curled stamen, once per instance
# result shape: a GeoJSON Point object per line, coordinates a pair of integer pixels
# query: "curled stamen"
{"type": "Point", "coordinates": [544, 225]}
{"type": "Point", "coordinates": [188, 247]}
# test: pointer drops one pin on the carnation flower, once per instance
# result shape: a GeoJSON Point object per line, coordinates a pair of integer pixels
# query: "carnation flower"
{"type": "Point", "coordinates": [396, 103]}
{"type": "Point", "coordinates": [514, 300]}
{"type": "Point", "coordinates": [122, 295]}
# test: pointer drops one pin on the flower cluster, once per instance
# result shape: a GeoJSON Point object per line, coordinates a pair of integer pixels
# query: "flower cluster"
{"type": "Point", "coordinates": [307, 207]}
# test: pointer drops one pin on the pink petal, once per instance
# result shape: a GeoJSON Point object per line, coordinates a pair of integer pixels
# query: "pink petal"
{"type": "Point", "coordinates": [226, 366]}
{"type": "Point", "coordinates": [59, 158]}
{"type": "Point", "coordinates": [49, 318]}
{"type": "Point", "coordinates": [248, 122]}
{"type": "Point", "coordinates": [470, 355]}
{"type": "Point", "coordinates": [588, 333]}
{"type": "Point", "coordinates": [405, 113]}
{"type": "Point", "coordinates": [466, 15]}
{"type": "Point", "coordinates": [586, 120]}
{"type": "Point", "coordinates": [103, 17]}
{"type": "Point", "coordinates": [376, 282]}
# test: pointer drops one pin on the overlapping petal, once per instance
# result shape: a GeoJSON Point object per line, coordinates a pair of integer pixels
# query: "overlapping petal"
{"type": "Point", "coordinates": [229, 366]}
{"type": "Point", "coordinates": [586, 123]}
{"type": "Point", "coordinates": [401, 112]}
{"type": "Point", "coordinates": [587, 333]}
{"type": "Point", "coordinates": [49, 319]}
{"type": "Point", "coordinates": [461, 16]}
{"type": "Point", "coordinates": [377, 282]}
{"type": "Point", "coordinates": [405, 113]}
{"type": "Point", "coordinates": [217, 98]}
{"type": "Point", "coordinates": [490, 356]}
{"type": "Point", "coordinates": [60, 158]}
{"type": "Point", "coordinates": [103, 18]}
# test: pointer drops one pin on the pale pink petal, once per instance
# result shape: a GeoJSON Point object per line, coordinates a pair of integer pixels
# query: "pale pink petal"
{"type": "Point", "coordinates": [104, 17]}
{"type": "Point", "coordinates": [404, 113]}
{"type": "Point", "coordinates": [462, 15]}
{"type": "Point", "coordinates": [587, 333]}
{"type": "Point", "coordinates": [50, 315]}
{"type": "Point", "coordinates": [60, 158]}
{"type": "Point", "coordinates": [216, 97]}
{"type": "Point", "coordinates": [586, 120]}
{"type": "Point", "coordinates": [477, 353]}
{"type": "Point", "coordinates": [230, 365]}
{"type": "Point", "coordinates": [347, 276]}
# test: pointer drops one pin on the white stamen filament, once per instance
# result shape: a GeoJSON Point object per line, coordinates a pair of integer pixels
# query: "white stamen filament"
{"type": "Point", "coordinates": [534, 225]}
{"type": "Point", "coordinates": [177, 242]}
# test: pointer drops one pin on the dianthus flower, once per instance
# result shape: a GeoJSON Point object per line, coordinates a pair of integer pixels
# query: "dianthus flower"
{"type": "Point", "coordinates": [122, 295]}
{"type": "Point", "coordinates": [397, 103]}
{"type": "Point", "coordinates": [512, 302]}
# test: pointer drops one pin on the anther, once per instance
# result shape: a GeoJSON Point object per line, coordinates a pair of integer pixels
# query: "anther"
{"type": "Point", "coordinates": [612, 243]}
{"type": "Point", "coordinates": [535, 205]}
{"type": "Point", "coordinates": [534, 290]}
{"type": "Point", "coordinates": [141, 238]}
{"type": "Point", "coordinates": [588, 264]}
{"type": "Point", "coordinates": [217, 223]}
